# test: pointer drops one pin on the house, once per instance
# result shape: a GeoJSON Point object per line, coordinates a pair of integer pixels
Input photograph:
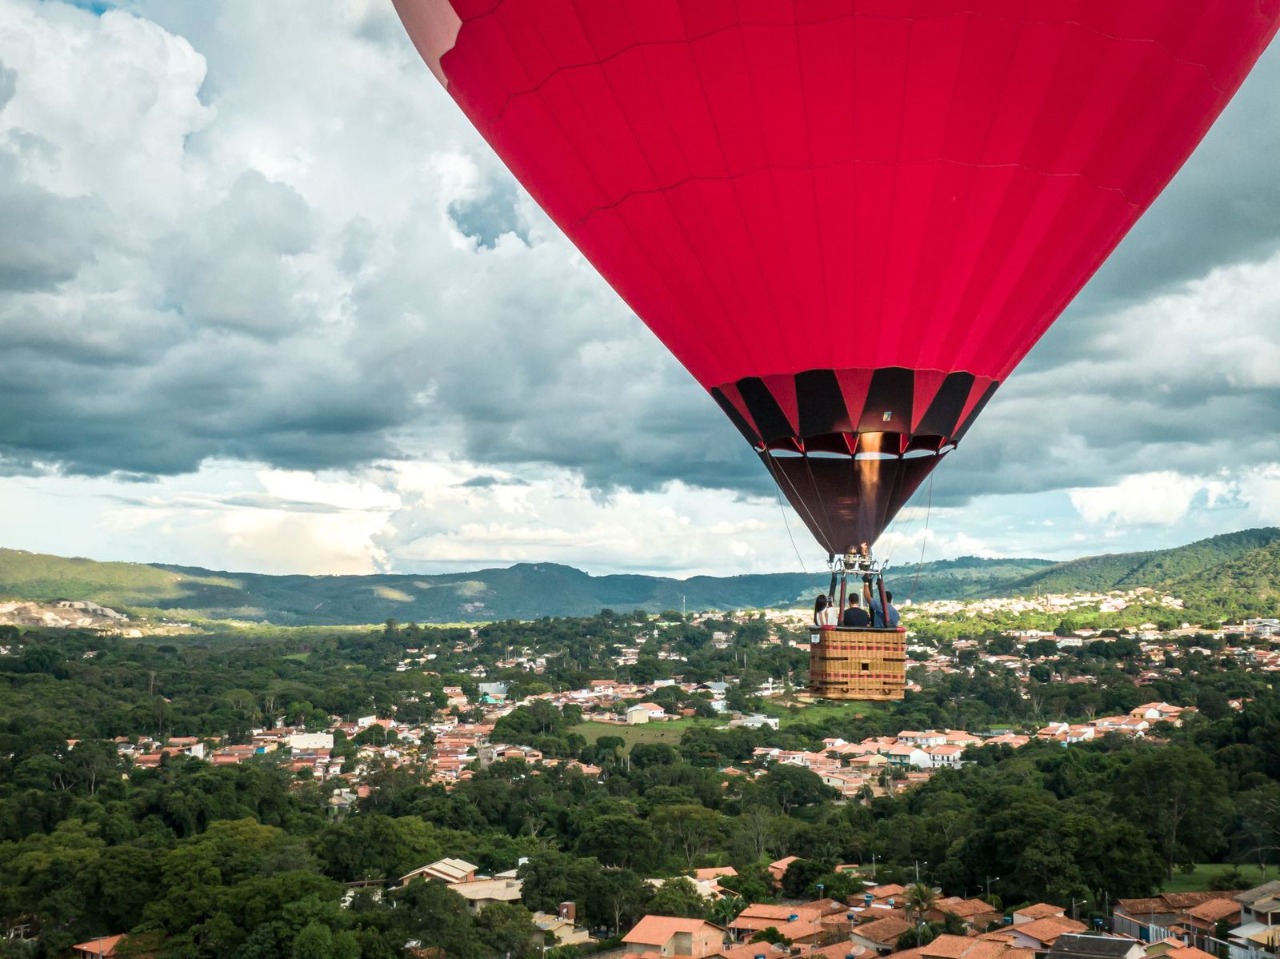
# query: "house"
{"type": "Point", "coordinates": [1201, 921]}
{"type": "Point", "coordinates": [1096, 947]}
{"type": "Point", "coordinates": [637, 715]}
{"type": "Point", "coordinates": [1258, 935]}
{"type": "Point", "coordinates": [1261, 904]}
{"type": "Point", "coordinates": [765, 950]}
{"type": "Point", "coordinates": [1041, 910]}
{"type": "Point", "coordinates": [1160, 712]}
{"type": "Point", "coordinates": [106, 946]}
{"type": "Point", "coordinates": [964, 947]}
{"type": "Point", "coordinates": [1168, 914]}
{"type": "Point", "coordinates": [1183, 952]}
{"type": "Point", "coordinates": [446, 870]}
{"type": "Point", "coordinates": [887, 893]}
{"type": "Point", "coordinates": [880, 936]}
{"type": "Point", "coordinates": [779, 868]}
{"type": "Point", "coordinates": [481, 893]}
{"type": "Point", "coordinates": [945, 757]}
{"type": "Point", "coordinates": [801, 924]}
{"type": "Point", "coordinates": [905, 755]}
{"type": "Point", "coordinates": [563, 928]}
{"type": "Point", "coordinates": [670, 936]}
{"type": "Point", "coordinates": [974, 913]}
{"type": "Point", "coordinates": [1040, 934]}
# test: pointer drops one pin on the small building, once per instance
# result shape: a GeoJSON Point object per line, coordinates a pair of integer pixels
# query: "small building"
{"type": "Point", "coordinates": [966, 947]}
{"type": "Point", "coordinates": [97, 948]}
{"type": "Point", "coordinates": [637, 715]}
{"type": "Point", "coordinates": [672, 936]}
{"type": "Point", "coordinates": [481, 893]}
{"type": "Point", "coordinates": [445, 870]}
{"type": "Point", "coordinates": [1039, 935]}
{"type": "Point", "coordinates": [1072, 946]}
{"type": "Point", "coordinates": [880, 936]}
{"type": "Point", "coordinates": [1039, 910]}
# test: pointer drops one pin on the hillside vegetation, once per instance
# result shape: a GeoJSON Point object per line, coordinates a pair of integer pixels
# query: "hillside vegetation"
{"type": "Point", "coordinates": [1229, 575]}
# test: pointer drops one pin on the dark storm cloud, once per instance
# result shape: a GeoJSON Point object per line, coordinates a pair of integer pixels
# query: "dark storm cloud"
{"type": "Point", "coordinates": [44, 239]}
{"type": "Point", "coordinates": [488, 482]}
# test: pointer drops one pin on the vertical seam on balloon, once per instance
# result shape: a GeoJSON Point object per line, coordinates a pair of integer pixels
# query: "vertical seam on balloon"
{"type": "Point", "coordinates": [886, 343]}
{"type": "Point", "coordinates": [813, 180]}
{"type": "Point", "coordinates": [708, 341]}
{"type": "Point", "coordinates": [732, 181]}
{"type": "Point", "coordinates": [986, 313]}
{"type": "Point", "coordinates": [934, 304]}
{"type": "Point", "coordinates": [755, 250]}
{"type": "Point", "coordinates": [966, 291]}
{"type": "Point", "coordinates": [747, 352]}
{"type": "Point", "coordinates": [663, 275]}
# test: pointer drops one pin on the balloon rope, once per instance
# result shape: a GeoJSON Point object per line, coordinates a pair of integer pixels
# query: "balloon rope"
{"type": "Point", "coordinates": [777, 492]}
{"type": "Point", "coordinates": [924, 539]}
{"type": "Point", "coordinates": [826, 515]}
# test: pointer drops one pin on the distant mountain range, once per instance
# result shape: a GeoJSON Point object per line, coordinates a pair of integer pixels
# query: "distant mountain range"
{"type": "Point", "coordinates": [1249, 560]}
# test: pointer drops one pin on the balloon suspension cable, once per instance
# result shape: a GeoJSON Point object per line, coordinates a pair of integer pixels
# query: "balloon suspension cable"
{"type": "Point", "coordinates": [777, 479]}
{"type": "Point", "coordinates": [787, 525]}
{"type": "Point", "coordinates": [924, 540]}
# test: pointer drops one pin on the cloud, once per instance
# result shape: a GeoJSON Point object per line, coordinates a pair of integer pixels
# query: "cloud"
{"type": "Point", "coordinates": [316, 275]}
{"type": "Point", "coordinates": [218, 246]}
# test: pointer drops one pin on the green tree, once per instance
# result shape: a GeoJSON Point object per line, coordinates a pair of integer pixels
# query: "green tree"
{"type": "Point", "coordinates": [679, 897]}
{"type": "Point", "coordinates": [508, 930]}
{"type": "Point", "coordinates": [1177, 797]}
{"type": "Point", "coordinates": [793, 786]}
{"type": "Point", "coordinates": [690, 828]}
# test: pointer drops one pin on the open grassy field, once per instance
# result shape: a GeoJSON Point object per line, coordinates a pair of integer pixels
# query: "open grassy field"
{"type": "Point", "coordinates": [669, 731]}
{"type": "Point", "coordinates": [819, 712]}
{"type": "Point", "coordinates": [1201, 879]}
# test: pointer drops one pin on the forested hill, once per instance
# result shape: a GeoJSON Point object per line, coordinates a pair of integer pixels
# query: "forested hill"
{"type": "Point", "coordinates": [1246, 562]}
{"type": "Point", "coordinates": [1247, 550]}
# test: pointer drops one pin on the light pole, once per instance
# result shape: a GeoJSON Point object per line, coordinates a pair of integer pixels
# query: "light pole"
{"type": "Point", "coordinates": [989, 880]}
{"type": "Point", "coordinates": [917, 862]}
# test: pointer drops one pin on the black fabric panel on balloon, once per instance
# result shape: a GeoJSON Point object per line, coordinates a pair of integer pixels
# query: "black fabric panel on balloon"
{"type": "Point", "coordinates": [892, 391]}
{"type": "Point", "coordinates": [764, 409]}
{"type": "Point", "coordinates": [731, 411]}
{"type": "Point", "coordinates": [944, 412]}
{"type": "Point", "coordinates": [845, 501]}
{"type": "Point", "coordinates": [914, 472]}
{"type": "Point", "coordinates": [821, 402]}
{"type": "Point", "coordinates": [977, 410]}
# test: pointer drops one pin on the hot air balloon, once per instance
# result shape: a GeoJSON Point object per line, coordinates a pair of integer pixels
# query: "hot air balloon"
{"type": "Point", "coordinates": [848, 219]}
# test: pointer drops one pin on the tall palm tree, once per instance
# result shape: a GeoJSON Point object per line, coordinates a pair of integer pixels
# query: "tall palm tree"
{"type": "Point", "coordinates": [919, 900]}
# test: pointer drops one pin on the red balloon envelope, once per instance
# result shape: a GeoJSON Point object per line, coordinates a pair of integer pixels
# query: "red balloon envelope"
{"type": "Point", "coordinates": [849, 219]}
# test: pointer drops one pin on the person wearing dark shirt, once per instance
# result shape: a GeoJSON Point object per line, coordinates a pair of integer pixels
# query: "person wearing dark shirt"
{"type": "Point", "coordinates": [879, 619]}
{"type": "Point", "coordinates": [855, 617]}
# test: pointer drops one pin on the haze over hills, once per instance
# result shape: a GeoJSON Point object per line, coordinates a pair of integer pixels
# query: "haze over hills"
{"type": "Point", "coordinates": [1247, 562]}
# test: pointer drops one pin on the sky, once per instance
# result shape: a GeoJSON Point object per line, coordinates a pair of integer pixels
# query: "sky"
{"type": "Point", "coordinates": [268, 303]}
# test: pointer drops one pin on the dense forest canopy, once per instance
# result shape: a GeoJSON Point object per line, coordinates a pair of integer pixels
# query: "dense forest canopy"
{"type": "Point", "coordinates": [242, 861]}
